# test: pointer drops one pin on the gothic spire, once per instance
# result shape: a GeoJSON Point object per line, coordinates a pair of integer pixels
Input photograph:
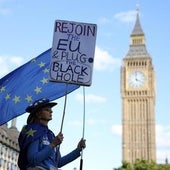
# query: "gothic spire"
{"type": "Point", "coordinates": [137, 41]}
{"type": "Point", "coordinates": [137, 30]}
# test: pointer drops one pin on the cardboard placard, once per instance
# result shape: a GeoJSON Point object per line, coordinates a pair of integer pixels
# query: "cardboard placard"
{"type": "Point", "coordinates": [73, 50]}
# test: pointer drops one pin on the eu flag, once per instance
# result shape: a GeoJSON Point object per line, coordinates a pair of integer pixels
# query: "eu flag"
{"type": "Point", "coordinates": [26, 84]}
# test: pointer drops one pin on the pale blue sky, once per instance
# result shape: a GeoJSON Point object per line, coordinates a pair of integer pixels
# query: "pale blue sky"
{"type": "Point", "coordinates": [27, 30]}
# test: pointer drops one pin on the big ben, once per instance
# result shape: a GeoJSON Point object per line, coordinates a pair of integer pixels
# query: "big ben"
{"type": "Point", "coordinates": [138, 100]}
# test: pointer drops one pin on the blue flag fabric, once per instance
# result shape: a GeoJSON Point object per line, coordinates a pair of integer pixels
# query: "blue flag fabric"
{"type": "Point", "coordinates": [28, 83]}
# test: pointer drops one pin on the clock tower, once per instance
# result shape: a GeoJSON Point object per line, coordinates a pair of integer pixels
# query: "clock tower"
{"type": "Point", "coordinates": [138, 100]}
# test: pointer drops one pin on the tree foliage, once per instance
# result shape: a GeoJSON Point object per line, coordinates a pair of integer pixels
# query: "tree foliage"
{"type": "Point", "coordinates": [143, 165]}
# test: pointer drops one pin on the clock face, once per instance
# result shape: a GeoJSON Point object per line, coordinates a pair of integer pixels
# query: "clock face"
{"type": "Point", "coordinates": [137, 79]}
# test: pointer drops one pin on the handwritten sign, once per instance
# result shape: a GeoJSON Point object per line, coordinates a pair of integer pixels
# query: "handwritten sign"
{"type": "Point", "coordinates": [73, 52]}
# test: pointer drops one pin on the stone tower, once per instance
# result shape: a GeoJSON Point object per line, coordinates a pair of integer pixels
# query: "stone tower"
{"type": "Point", "coordinates": [138, 100]}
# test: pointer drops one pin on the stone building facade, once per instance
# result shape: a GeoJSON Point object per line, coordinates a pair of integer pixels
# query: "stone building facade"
{"type": "Point", "coordinates": [9, 148]}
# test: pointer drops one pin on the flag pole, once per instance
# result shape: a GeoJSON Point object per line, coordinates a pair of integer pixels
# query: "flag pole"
{"type": "Point", "coordinates": [64, 110]}
{"type": "Point", "coordinates": [83, 132]}
{"type": "Point", "coordinates": [62, 122]}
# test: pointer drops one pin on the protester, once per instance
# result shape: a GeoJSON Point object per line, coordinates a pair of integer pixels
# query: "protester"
{"type": "Point", "coordinates": [39, 147]}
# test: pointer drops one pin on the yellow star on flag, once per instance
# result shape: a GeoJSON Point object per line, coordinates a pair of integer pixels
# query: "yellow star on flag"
{"type": "Point", "coordinates": [42, 64]}
{"type": "Point", "coordinates": [37, 90]}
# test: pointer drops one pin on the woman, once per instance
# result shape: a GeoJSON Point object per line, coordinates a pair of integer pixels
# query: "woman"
{"type": "Point", "coordinates": [39, 147]}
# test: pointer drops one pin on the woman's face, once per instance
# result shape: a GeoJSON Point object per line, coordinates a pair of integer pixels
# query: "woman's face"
{"type": "Point", "coordinates": [45, 114]}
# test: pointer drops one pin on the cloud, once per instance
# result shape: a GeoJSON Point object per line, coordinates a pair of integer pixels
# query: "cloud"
{"type": "Point", "coordinates": [104, 61]}
{"type": "Point", "coordinates": [8, 63]}
{"type": "Point", "coordinates": [16, 60]}
{"type": "Point", "coordinates": [126, 17]}
{"type": "Point", "coordinates": [75, 123]}
{"type": "Point", "coordinates": [163, 136]}
{"type": "Point", "coordinates": [117, 130]}
{"type": "Point", "coordinates": [90, 121]}
{"type": "Point", "coordinates": [91, 98]}
{"type": "Point", "coordinates": [162, 155]}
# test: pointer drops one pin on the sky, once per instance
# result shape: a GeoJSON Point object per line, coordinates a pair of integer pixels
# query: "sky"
{"type": "Point", "coordinates": [27, 30]}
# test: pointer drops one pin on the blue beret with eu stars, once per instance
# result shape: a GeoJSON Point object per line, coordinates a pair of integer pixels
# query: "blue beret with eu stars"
{"type": "Point", "coordinates": [39, 104]}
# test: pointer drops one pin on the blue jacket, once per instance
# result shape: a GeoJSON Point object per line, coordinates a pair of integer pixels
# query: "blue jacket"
{"type": "Point", "coordinates": [34, 141]}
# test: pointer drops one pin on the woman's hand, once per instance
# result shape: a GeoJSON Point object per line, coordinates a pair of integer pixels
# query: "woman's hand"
{"type": "Point", "coordinates": [57, 140]}
{"type": "Point", "coordinates": [81, 145]}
